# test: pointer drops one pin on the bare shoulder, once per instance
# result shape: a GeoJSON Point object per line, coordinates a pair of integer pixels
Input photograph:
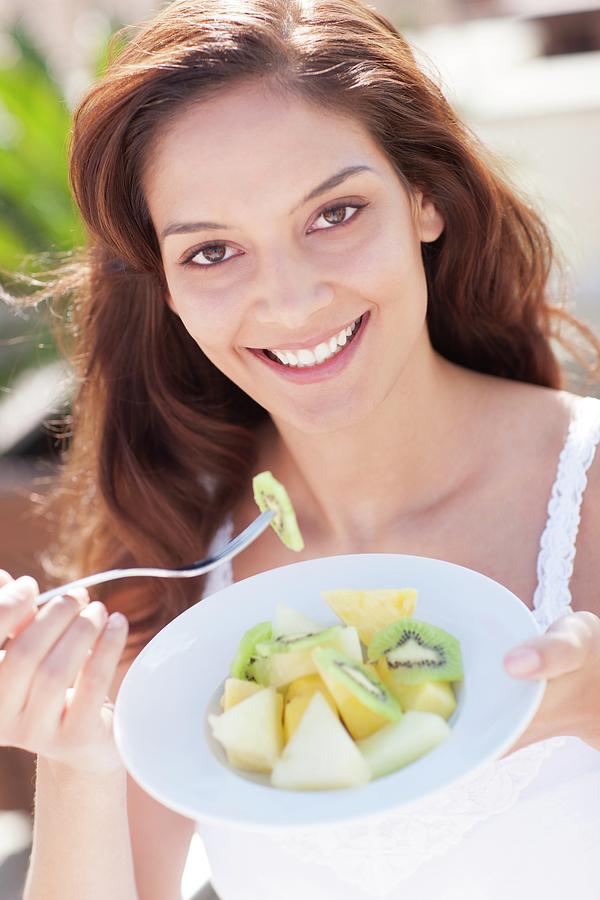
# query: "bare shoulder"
{"type": "Point", "coordinates": [585, 582]}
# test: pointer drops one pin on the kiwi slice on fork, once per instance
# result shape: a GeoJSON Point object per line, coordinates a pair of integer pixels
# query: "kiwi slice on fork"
{"type": "Point", "coordinates": [271, 494]}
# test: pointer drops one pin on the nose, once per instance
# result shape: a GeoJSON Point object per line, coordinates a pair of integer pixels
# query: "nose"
{"type": "Point", "coordinates": [290, 293]}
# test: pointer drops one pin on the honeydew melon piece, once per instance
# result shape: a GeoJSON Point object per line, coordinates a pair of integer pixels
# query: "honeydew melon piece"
{"type": "Point", "coordinates": [290, 621]}
{"type": "Point", "coordinates": [252, 731]}
{"type": "Point", "coordinates": [371, 610]}
{"type": "Point", "coordinates": [429, 696]}
{"type": "Point", "coordinates": [320, 754]}
{"type": "Point", "coordinates": [400, 743]}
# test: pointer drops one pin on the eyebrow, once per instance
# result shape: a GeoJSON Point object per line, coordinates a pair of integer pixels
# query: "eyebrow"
{"type": "Point", "coordinates": [327, 185]}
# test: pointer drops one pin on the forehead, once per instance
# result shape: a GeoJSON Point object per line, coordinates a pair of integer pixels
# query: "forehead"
{"type": "Point", "coordinates": [246, 146]}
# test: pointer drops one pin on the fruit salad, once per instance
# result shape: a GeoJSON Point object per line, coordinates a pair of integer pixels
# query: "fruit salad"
{"type": "Point", "coordinates": [321, 707]}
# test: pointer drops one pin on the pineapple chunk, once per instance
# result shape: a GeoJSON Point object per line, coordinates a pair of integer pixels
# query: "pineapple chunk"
{"type": "Point", "coordinates": [251, 731]}
{"type": "Point", "coordinates": [429, 696]}
{"type": "Point", "coordinates": [320, 755]}
{"type": "Point", "coordinates": [298, 697]}
{"type": "Point", "coordinates": [293, 711]}
{"type": "Point", "coordinates": [371, 610]}
{"type": "Point", "coordinates": [306, 686]}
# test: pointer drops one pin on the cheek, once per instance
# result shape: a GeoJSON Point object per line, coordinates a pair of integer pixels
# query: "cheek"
{"type": "Point", "coordinates": [210, 319]}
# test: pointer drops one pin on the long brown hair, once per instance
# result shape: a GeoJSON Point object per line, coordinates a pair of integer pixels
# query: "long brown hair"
{"type": "Point", "coordinates": [163, 443]}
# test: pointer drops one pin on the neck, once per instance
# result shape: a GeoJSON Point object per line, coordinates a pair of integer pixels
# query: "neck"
{"type": "Point", "coordinates": [355, 484]}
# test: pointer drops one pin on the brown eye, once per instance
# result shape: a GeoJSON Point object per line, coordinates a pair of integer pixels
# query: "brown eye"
{"type": "Point", "coordinates": [338, 215]}
{"type": "Point", "coordinates": [215, 253]}
{"type": "Point", "coordinates": [335, 215]}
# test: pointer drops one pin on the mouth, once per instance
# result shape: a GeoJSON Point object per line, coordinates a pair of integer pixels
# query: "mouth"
{"type": "Point", "coordinates": [317, 356]}
{"type": "Point", "coordinates": [307, 369]}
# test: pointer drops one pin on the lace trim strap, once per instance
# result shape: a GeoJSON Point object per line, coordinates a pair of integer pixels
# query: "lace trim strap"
{"type": "Point", "coordinates": [552, 597]}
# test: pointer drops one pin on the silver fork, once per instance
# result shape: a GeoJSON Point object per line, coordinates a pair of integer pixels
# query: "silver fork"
{"type": "Point", "coordinates": [235, 546]}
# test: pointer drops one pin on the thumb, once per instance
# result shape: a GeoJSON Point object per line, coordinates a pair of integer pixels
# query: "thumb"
{"type": "Point", "coordinates": [562, 649]}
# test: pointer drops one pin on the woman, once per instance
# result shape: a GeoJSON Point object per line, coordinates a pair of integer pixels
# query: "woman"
{"type": "Point", "coordinates": [299, 260]}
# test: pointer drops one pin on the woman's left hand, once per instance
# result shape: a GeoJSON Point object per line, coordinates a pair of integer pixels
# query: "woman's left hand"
{"type": "Point", "coordinates": [568, 656]}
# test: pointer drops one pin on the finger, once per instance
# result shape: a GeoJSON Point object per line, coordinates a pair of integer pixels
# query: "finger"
{"type": "Point", "coordinates": [94, 680]}
{"type": "Point", "coordinates": [5, 577]}
{"type": "Point", "coordinates": [17, 605]}
{"type": "Point", "coordinates": [26, 651]}
{"type": "Point", "coordinates": [562, 649]}
{"type": "Point", "coordinates": [57, 672]}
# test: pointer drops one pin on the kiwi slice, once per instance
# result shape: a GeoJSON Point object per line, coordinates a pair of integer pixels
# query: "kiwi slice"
{"type": "Point", "coordinates": [417, 651]}
{"type": "Point", "coordinates": [246, 664]}
{"type": "Point", "coordinates": [286, 643]}
{"type": "Point", "coordinates": [358, 680]}
{"type": "Point", "coordinates": [271, 494]}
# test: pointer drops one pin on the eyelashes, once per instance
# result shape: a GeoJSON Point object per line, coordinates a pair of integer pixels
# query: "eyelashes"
{"type": "Point", "coordinates": [210, 264]}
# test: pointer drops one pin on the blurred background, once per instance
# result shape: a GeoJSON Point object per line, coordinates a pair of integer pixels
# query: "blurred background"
{"type": "Point", "coordinates": [524, 74]}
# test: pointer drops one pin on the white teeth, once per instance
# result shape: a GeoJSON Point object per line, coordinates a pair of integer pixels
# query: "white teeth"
{"type": "Point", "coordinates": [306, 358]}
{"type": "Point", "coordinates": [322, 352]}
{"type": "Point", "coordinates": [318, 354]}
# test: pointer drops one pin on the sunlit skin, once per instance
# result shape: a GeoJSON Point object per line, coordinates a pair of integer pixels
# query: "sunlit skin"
{"type": "Point", "coordinates": [399, 449]}
{"type": "Point", "coordinates": [245, 160]}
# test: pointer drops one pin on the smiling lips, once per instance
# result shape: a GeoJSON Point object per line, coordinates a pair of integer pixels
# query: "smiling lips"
{"type": "Point", "coordinates": [314, 356]}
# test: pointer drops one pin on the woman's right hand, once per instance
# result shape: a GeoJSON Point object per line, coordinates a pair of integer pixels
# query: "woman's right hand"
{"type": "Point", "coordinates": [58, 662]}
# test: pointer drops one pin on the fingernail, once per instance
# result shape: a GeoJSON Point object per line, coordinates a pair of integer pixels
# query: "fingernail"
{"type": "Point", "coordinates": [96, 612]}
{"type": "Point", "coordinates": [23, 588]}
{"type": "Point", "coordinates": [523, 662]}
{"type": "Point", "coordinates": [116, 620]}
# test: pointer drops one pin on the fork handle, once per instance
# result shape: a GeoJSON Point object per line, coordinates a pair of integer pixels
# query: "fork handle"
{"type": "Point", "coordinates": [235, 546]}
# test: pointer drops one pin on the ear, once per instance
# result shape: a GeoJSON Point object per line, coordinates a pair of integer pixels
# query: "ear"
{"type": "Point", "coordinates": [430, 223]}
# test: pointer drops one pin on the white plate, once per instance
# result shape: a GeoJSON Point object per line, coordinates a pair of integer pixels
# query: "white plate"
{"type": "Point", "coordinates": [161, 711]}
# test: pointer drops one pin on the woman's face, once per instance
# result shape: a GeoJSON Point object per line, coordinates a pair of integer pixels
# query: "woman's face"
{"type": "Point", "coordinates": [281, 225]}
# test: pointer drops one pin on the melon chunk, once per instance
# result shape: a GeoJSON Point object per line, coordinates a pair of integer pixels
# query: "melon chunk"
{"type": "Point", "coordinates": [290, 621]}
{"type": "Point", "coordinates": [320, 754]}
{"type": "Point", "coordinates": [402, 742]}
{"type": "Point", "coordinates": [251, 731]}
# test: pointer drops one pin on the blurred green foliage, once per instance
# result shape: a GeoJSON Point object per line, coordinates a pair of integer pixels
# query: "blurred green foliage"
{"type": "Point", "coordinates": [38, 217]}
{"type": "Point", "coordinates": [36, 210]}
{"type": "Point", "coordinates": [37, 214]}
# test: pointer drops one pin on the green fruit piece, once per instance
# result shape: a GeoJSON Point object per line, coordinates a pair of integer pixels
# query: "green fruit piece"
{"type": "Point", "coordinates": [417, 651]}
{"type": "Point", "coordinates": [270, 494]}
{"type": "Point", "coordinates": [401, 743]}
{"type": "Point", "coordinates": [354, 685]}
{"type": "Point", "coordinates": [290, 621]}
{"type": "Point", "coordinates": [243, 665]}
{"type": "Point", "coordinates": [288, 643]}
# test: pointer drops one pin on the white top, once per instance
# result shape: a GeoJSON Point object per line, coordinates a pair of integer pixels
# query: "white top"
{"type": "Point", "coordinates": [523, 827]}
